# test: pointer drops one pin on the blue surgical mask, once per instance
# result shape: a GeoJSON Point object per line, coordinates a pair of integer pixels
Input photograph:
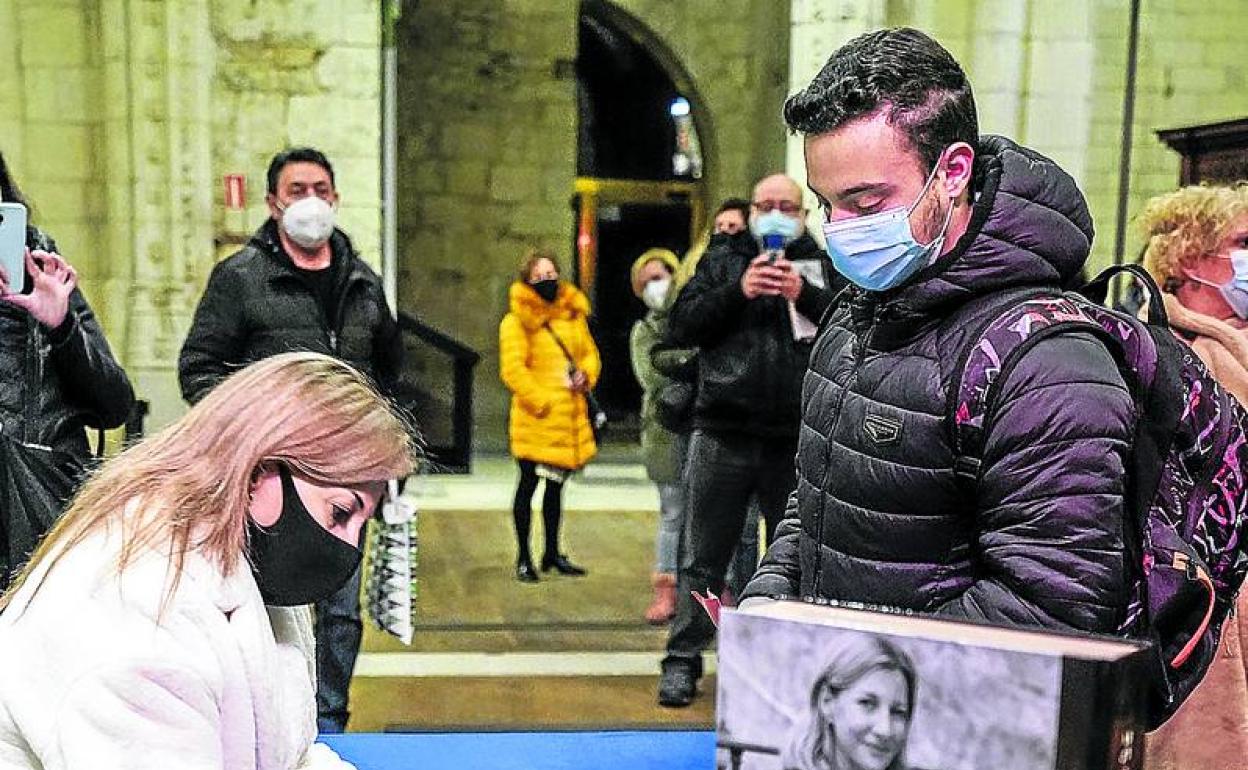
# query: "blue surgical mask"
{"type": "Point", "coordinates": [878, 252]}
{"type": "Point", "coordinates": [1234, 291]}
{"type": "Point", "coordinates": [775, 229]}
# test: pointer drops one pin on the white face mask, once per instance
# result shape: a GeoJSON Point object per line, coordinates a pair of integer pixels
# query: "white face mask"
{"type": "Point", "coordinates": [655, 293]}
{"type": "Point", "coordinates": [308, 221]}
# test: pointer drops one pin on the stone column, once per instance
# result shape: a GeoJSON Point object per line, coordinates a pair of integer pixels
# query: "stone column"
{"type": "Point", "coordinates": [158, 67]}
{"type": "Point", "coordinates": [818, 29]}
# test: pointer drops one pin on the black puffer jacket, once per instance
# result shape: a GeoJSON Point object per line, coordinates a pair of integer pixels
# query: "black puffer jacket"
{"type": "Point", "coordinates": [255, 306]}
{"type": "Point", "coordinates": [55, 383]}
{"type": "Point", "coordinates": [749, 367]}
{"type": "Point", "coordinates": [878, 515]}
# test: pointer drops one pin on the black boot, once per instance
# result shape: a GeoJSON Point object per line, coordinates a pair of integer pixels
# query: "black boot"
{"type": "Point", "coordinates": [524, 570]}
{"type": "Point", "coordinates": [559, 563]}
{"type": "Point", "coordinates": [679, 681]}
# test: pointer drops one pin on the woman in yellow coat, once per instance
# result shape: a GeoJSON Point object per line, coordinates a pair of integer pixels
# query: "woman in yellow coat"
{"type": "Point", "coordinates": [551, 435]}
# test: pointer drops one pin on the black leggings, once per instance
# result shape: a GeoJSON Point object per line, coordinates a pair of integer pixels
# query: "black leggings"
{"type": "Point", "coordinates": [522, 510]}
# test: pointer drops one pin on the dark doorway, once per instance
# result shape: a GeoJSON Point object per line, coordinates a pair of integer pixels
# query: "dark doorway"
{"type": "Point", "coordinates": [633, 124]}
{"type": "Point", "coordinates": [624, 232]}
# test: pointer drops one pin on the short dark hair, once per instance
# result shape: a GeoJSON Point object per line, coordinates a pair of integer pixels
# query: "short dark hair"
{"type": "Point", "coordinates": [735, 204]}
{"type": "Point", "coordinates": [902, 70]}
{"type": "Point", "coordinates": [296, 155]}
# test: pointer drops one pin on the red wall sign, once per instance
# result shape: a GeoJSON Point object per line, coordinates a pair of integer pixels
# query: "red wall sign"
{"type": "Point", "coordinates": [235, 192]}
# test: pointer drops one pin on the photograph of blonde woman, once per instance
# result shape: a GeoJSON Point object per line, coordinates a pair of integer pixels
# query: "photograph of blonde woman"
{"type": "Point", "coordinates": [807, 697]}
{"type": "Point", "coordinates": [860, 709]}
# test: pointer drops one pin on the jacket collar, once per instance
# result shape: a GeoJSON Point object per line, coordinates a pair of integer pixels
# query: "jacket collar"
{"type": "Point", "coordinates": [1201, 325]}
{"type": "Point", "coordinates": [267, 241]}
{"type": "Point", "coordinates": [534, 312]}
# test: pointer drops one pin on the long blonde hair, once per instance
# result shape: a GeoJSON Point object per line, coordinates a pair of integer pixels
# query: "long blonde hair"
{"type": "Point", "coordinates": [312, 412]}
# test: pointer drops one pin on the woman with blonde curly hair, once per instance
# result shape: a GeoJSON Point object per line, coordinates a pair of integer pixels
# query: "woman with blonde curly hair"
{"type": "Point", "coordinates": [1197, 250]}
{"type": "Point", "coordinates": [163, 622]}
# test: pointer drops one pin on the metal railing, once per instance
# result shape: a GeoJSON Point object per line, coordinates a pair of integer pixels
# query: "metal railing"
{"type": "Point", "coordinates": [423, 386]}
{"type": "Point", "coordinates": [447, 426]}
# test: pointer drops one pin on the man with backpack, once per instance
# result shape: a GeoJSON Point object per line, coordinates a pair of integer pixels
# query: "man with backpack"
{"type": "Point", "coordinates": [941, 230]}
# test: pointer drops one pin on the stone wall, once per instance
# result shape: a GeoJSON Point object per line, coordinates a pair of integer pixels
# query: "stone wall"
{"type": "Point", "coordinates": [487, 155]}
{"type": "Point", "coordinates": [122, 116]}
{"type": "Point", "coordinates": [1051, 74]}
{"type": "Point", "coordinates": [487, 159]}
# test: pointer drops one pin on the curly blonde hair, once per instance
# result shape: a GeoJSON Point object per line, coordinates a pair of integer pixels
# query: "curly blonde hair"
{"type": "Point", "coordinates": [1185, 225]}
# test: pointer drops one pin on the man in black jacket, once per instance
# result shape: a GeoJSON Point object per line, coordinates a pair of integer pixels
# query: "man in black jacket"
{"type": "Point", "coordinates": [752, 315]}
{"type": "Point", "coordinates": [942, 230]}
{"type": "Point", "coordinates": [299, 285]}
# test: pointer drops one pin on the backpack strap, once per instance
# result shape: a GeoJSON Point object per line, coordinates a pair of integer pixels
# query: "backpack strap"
{"type": "Point", "coordinates": [1097, 290]}
{"type": "Point", "coordinates": [988, 360]}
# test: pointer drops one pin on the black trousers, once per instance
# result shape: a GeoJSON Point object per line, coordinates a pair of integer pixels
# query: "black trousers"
{"type": "Point", "coordinates": [522, 510]}
{"type": "Point", "coordinates": [723, 471]}
{"type": "Point", "coordinates": [338, 632]}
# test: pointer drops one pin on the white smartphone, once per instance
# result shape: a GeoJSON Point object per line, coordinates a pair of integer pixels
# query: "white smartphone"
{"type": "Point", "coordinates": [13, 245]}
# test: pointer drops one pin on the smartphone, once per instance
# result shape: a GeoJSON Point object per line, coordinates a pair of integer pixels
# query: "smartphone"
{"type": "Point", "coordinates": [13, 245]}
{"type": "Point", "coordinates": [773, 246]}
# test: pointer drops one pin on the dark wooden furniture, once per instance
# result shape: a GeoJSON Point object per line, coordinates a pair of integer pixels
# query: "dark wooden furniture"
{"type": "Point", "coordinates": [1216, 153]}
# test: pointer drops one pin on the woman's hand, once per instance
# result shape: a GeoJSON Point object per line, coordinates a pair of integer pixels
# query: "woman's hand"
{"type": "Point", "coordinates": [578, 382]}
{"type": "Point", "coordinates": [53, 280]}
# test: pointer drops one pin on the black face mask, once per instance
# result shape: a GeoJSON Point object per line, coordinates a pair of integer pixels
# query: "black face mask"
{"type": "Point", "coordinates": [547, 289]}
{"type": "Point", "coordinates": [296, 561]}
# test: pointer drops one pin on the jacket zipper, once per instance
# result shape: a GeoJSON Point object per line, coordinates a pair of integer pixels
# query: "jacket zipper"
{"type": "Point", "coordinates": [860, 354]}
{"type": "Point", "coordinates": [31, 379]}
{"type": "Point", "coordinates": [335, 332]}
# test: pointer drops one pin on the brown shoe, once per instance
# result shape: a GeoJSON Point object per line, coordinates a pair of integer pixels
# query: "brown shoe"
{"type": "Point", "coordinates": [663, 607]}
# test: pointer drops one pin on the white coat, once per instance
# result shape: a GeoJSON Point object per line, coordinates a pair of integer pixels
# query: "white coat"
{"type": "Point", "coordinates": [91, 678]}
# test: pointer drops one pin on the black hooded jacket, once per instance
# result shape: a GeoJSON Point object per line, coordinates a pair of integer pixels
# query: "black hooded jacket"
{"type": "Point", "coordinates": [257, 305]}
{"type": "Point", "coordinates": [878, 515]}
{"type": "Point", "coordinates": [749, 366]}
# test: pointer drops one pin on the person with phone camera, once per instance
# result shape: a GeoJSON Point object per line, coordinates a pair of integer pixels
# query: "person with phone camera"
{"type": "Point", "coordinates": [549, 362]}
{"type": "Point", "coordinates": [58, 377]}
{"type": "Point", "coordinates": [751, 309]}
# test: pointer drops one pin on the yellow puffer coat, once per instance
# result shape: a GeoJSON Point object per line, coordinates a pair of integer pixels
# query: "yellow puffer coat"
{"type": "Point", "coordinates": [549, 423]}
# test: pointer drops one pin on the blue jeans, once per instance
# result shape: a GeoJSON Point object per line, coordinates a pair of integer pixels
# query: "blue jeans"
{"type": "Point", "coordinates": [672, 497]}
{"type": "Point", "coordinates": [671, 521]}
{"type": "Point", "coordinates": [338, 631]}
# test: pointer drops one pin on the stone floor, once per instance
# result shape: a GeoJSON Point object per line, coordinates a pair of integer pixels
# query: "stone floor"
{"type": "Point", "coordinates": [490, 653]}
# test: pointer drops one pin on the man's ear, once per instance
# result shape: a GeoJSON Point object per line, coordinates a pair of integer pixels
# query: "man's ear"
{"type": "Point", "coordinates": [274, 211]}
{"type": "Point", "coordinates": [959, 165]}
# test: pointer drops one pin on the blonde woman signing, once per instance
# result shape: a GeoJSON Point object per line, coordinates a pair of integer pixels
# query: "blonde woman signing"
{"type": "Point", "coordinates": [1197, 250]}
{"type": "Point", "coordinates": [138, 636]}
{"type": "Point", "coordinates": [549, 362]}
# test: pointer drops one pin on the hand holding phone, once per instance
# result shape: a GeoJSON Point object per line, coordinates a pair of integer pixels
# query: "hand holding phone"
{"type": "Point", "coordinates": [52, 280]}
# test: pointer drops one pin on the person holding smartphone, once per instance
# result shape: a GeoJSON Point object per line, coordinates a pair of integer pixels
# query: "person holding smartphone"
{"type": "Point", "coordinates": [750, 309]}
{"type": "Point", "coordinates": [58, 377]}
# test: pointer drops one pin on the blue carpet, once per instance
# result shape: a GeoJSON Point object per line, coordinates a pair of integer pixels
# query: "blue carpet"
{"type": "Point", "coordinates": [527, 751]}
